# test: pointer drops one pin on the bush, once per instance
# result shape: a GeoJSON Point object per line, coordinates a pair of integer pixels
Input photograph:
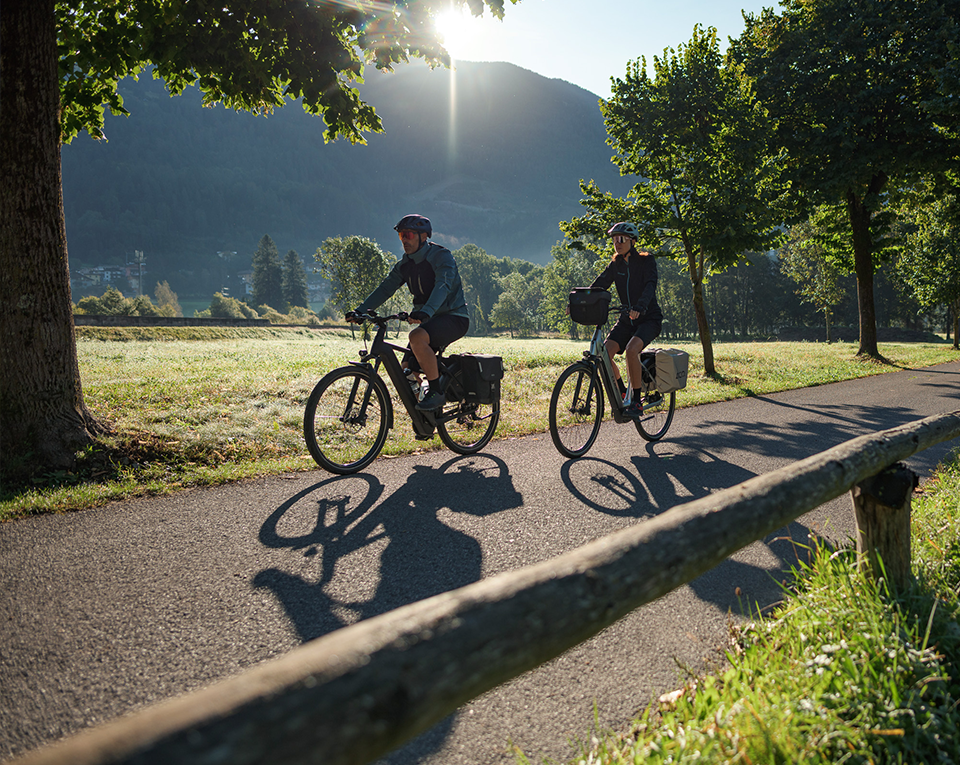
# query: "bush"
{"type": "Point", "coordinates": [222, 307]}
{"type": "Point", "coordinates": [113, 303]}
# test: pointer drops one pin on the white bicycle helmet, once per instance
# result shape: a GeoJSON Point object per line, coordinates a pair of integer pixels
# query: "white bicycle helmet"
{"type": "Point", "coordinates": [625, 227]}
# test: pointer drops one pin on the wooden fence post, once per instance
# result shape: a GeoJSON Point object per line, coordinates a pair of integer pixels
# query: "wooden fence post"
{"type": "Point", "coordinates": [882, 506]}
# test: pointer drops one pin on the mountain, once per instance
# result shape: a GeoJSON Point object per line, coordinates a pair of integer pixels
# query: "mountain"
{"type": "Point", "coordinates": [491, 153]}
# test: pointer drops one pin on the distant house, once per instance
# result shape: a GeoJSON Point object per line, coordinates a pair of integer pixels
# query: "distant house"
{"type": "Point", "coordinates": [101, 276]}
{"type": "Point", "coordinates": [246, 279]}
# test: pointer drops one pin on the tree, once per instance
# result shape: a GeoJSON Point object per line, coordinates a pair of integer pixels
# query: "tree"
{"type": "Point", "coordinates": [294, 281]}
{"type": "Point", "coordinates": [569, 268]}
{"type": "Point", "coordinates": [519, 306]}
{"type": "Point", "coordinates": [850, 85]}
{"type": "Point", "coordinates": [167, 300]}
{"type": "Point", "coordinates": [60, 63]}
{"type": "Point", "coordinates": [807, 261]}
{"type": "Point", "coordinates": [268, 276]}
{"type": "Point", "coordinates": [930, 260]}
{"type": "Point", "coordinates": [481, 287]}
{"type": "Point", "coordinates": [355, 265]}
{"type": "Point", "coordinates": [699, 143]}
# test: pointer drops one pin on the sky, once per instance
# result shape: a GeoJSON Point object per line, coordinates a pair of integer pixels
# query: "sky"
{"type": "Point", "coordinates": [587, 42]}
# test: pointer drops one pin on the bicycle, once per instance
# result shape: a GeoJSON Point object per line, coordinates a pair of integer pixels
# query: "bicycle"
{"type": "Point", "coordinates": [576, 405]}
{"type": "Point", "coordinates": [349, 412]}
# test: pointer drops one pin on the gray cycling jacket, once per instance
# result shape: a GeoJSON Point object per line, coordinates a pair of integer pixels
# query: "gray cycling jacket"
{"type": "Point", "coordinates": [432, 276]}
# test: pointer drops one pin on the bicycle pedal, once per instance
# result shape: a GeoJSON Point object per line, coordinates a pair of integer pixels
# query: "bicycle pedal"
{"type": "Point", "coordinates": [424, 438]}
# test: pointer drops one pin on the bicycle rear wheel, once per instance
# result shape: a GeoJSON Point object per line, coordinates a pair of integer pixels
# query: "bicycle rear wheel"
{"type": "Point", "coordinates": [576, 410]}
{"type": "Point", "coordinates": [471, 428]}
{"type": "Point", "coordinates": [345, 422]}
{"type": "Point", "coordinates": [657, 414]}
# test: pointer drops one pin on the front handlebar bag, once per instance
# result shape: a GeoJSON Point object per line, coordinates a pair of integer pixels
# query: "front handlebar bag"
{"type": "Point", "coordinates": [589, 305]}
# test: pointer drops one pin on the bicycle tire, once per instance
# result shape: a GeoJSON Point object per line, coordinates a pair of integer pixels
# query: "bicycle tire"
{"type": "Point", "coordinates": [656, 418]}
{"type": "Point", "coordinates": [472, 427]}
{"type": "Point", "coordinates": [576, 410]}
{"type": "Point", "coordinates": [343, 433]}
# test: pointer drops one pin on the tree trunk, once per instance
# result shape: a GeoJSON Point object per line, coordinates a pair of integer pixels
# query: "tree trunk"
{"type": "Point", "coordinates": [43, 420]}
{"type": "Point", "coordinates": [695, 270]}
{"type": "Point", "coordinates": [859, 215]}
{"type": "Point", "coordinates": [956, 324]}
{"type": "Point", "coordinates": [826, 316]}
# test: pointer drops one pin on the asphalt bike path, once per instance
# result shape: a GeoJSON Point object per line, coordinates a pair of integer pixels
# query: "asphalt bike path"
{"type": "Point", "coordinates": [108, 610]}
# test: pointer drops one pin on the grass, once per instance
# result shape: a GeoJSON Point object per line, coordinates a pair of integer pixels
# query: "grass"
{"type": "Point", "coordinates": [201, 406]}
{"type": "Point", "coordinates": [842, 671]}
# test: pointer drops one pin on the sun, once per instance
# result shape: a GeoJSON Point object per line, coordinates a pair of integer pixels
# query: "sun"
{"type": "Point", "coordinates": [457, 28]}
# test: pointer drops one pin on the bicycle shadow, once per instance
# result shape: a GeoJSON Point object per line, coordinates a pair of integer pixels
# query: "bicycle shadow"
{"type": "Point", "coordinates": [353, 528]}
{"type": "Point", "coordinates": [667, 477]}
{"type": "Point", "coordinates": [650, 484]}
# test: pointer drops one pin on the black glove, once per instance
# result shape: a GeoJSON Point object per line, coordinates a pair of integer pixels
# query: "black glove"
{"type": "Point", "coordinates": [419, 316]}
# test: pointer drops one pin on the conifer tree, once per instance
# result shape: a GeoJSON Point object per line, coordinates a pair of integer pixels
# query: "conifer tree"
{"type": "Point", "coordinates": [294, 281]}
{"type": "Point", "coordinates": [268, 275]}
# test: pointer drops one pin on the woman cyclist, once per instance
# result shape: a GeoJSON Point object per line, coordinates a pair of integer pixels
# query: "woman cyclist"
{"type": "Point", "coordinates": [635, 275]}
{"type": "Point", "coordinates": [439, 306]}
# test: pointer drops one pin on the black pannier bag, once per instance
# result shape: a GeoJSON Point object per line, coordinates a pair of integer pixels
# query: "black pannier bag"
{"type": "Point", "coordinates": [481, 375]}
{"type": "Point", "coordinates": [589, 305]}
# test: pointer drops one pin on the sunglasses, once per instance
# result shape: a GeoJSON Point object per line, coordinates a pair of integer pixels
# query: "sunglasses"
{"type": "Point", "coordinates": [407, 234]}
{"type": "Point", "coordinates": [620, 239]}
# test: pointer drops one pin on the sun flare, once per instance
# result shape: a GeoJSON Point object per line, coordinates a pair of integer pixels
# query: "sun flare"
{"type": "Point", "coordinates": [457, 28]}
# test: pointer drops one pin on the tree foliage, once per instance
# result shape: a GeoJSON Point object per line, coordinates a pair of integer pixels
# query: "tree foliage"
{"type": "Point", "coordinates": [248, 55]}
{"type": "Point", "coordinates": [856, 92]}
{"type": "Point", "coordinates": [355, 265]}
{"type": "Point", "coordinates": [569, 268]}
{"type": "Point", "coordinates": [929, 261]}
{"type": "Point", "coordinates": [268, 275]}
{"type": "Point", "coordinates": [807, 260]}
{"type": "Point", "coordinates": [294, 281]}
{"type": "Point", "coordinates": [167, 300]}
{"type": "Point", "coordinates": [697, 139]}
{"type": "Point", "coordinates": [518, 309]}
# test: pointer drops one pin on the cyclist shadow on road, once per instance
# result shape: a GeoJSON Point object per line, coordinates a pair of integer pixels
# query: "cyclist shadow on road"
{"type": "Point", "coordinates": [650, 484]}
{"type": "Point", "coordinates": [357, 532]}
{"type": "Point", "coordinates": [667, 477]}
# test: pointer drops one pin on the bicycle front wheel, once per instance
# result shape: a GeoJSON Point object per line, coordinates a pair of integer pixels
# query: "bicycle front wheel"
{"type": "Point", "coordinates": [471, 428]}
{"type": "Point", "coordinates": [576, 410]}
{"type": "Point", "coordinates": [657, 414]}
{"type": "Point", "coordinates": [346, 420]}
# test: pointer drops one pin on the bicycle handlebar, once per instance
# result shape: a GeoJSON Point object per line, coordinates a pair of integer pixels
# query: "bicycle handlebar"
{"type": "Point", "coordinates": [372, 317]}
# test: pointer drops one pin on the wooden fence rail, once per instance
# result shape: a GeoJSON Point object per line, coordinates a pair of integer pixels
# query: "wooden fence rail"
{"type": "Point", "coordinates": [358, 693]}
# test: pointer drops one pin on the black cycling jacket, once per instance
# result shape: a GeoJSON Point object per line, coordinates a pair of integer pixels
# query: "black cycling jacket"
{"type": "Point", "coordinates": [636, 281]}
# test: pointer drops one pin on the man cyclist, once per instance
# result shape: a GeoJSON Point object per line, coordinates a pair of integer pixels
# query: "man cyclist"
{"type": "Point", "coordinates": [439, 306]}
{"type": "Point", "coordinates": [635, 275]}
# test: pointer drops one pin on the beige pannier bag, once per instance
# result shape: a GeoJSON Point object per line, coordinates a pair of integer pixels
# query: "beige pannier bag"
{"type": "Point", "coordinates": [672, 366]}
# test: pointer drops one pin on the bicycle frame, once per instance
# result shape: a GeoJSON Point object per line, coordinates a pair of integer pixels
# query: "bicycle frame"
{"type": "Point", "coordinates": [385, 353]}
{"type": "Point", "coordinates": [598, 357]}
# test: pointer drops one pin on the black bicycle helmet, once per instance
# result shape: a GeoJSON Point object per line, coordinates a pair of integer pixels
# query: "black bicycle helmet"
{"type": "Point", "coordinates": [417, 223]}
{"type": "Point", "coordinates": [625, 227]}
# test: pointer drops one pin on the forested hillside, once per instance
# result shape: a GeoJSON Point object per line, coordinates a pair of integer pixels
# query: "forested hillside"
{"type": "Point", "coordinates": [491, 153]}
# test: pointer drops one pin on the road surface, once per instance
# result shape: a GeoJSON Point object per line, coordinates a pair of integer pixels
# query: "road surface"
{"type": "Point", "coordinates": [108, 610]}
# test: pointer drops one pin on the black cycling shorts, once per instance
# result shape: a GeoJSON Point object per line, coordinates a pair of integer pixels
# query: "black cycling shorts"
{"type": "Point", "coordinates": [646, 329]}
{"type": "Point", "coordinates": [443, 330]}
